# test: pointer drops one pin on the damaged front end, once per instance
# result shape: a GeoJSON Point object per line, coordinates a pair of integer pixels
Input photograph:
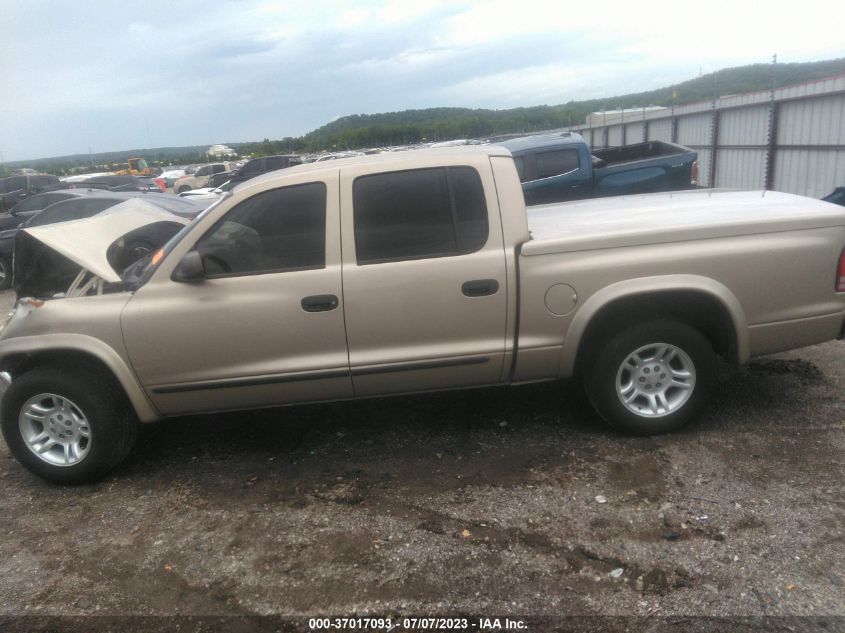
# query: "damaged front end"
{"type": "Point", "coordinates": [89, 256]}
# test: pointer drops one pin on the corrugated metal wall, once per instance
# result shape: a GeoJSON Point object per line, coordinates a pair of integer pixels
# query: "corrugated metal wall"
{"type": "Point", "coordinates": [791, 140]}
{"type": "Point", "coordinates": [634, 133]}
{"type": "Point", "coordinates": [809, 172]}
{"type": "Point", "coordinates": [819, 121]}
{"type": "Point", "coordinates": [614, 136]}
{"type": "Point", "coordinates": [660, 130]}
{"type": "Point", "coordinates": [747, 126]}
{"type": "Point", "coordinates": [696, 129]}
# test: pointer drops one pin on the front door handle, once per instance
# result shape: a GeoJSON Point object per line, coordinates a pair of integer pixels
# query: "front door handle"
{"type": "Point", "coordinates": [480, 287]}
{"type": "Point", "coordinates": [319, 303]}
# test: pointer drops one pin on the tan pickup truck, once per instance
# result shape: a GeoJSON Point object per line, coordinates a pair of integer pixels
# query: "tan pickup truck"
{"type": "Point", "coordinates": [405, 273]}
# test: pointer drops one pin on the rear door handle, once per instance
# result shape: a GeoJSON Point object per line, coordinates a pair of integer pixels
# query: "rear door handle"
{"type": "Point", "coordinates": [319, 303]}
{"type": "Point", "coordinates": [480, 287]}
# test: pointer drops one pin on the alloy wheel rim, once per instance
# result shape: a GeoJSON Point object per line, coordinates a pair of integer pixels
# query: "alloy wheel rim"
{"type": "Point", "coordinates": [55, 429]}
{"type": "Point", "coordinates": [655, 380]}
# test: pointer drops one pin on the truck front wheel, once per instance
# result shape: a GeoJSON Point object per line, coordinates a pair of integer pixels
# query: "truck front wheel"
{"type": "Point", "coordinates": [652, 377]}
{"type": "Point", "coordinates": [67, 425]}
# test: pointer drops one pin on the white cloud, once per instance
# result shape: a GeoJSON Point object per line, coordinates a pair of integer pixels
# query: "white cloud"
{"type": "Point", "coordinates": [85, 73]}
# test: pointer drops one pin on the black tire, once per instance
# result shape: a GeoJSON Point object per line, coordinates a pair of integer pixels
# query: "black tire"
{"type": "Point", "coordinates": [183, 189]}
{"type": "Point", "coordinates": [600, 375]}
{"type": "Point", "coordinates": [5, 273]}
{"type": "Point", "coordinates": [112, 423]}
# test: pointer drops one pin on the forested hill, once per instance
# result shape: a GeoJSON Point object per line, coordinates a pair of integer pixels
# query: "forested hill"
{"type": "Point", "coordinates": [393, 128]}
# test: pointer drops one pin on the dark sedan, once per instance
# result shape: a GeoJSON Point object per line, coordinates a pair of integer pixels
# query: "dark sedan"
{"type": "Point", "coordinates": [32, 205]}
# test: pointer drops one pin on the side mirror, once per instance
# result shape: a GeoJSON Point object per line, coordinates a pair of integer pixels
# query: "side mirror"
{"type": "Point", "coordinates": [190, 269]}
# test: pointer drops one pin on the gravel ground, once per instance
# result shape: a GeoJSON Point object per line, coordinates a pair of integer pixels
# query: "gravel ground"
{"type": "Point", "coordinates": [493, 501]}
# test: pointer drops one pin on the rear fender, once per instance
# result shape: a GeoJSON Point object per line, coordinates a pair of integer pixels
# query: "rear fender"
{"type": "Point", "coordinates": [646, 285]}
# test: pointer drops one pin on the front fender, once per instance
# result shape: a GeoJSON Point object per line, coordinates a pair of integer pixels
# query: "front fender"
{"type": "Point", "coordinates": [13, 349]}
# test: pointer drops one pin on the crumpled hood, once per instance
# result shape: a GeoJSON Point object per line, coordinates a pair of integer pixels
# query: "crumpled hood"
{"type": "Point", "coordinates": [48, 258]}
{"type": "Point", "coordinates": [86, 242]}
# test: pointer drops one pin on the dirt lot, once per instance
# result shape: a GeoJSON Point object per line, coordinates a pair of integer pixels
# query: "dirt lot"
{"type": "Point", "coordinates": [497, 501]}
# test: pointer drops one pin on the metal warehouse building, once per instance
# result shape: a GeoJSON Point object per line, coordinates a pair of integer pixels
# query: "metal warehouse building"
{"type": "Point", "coordinates": [790, 139]}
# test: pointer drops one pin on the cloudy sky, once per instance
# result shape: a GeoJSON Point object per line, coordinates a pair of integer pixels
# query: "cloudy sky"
{"type": "Point", "coordinates": [110, 75]}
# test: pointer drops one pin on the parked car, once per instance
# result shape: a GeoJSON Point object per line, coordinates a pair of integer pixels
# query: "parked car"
{"type": "Point", "coordinates": [201, 176]}
{"type": "Point", "coordinates": [83, 204]}
{"type": "Point", "coordinates": [116, 183]}
{"type": "Point", "coordinates": [29, 206]}
{"type": "Point", "coordinates": [409, 272]}
{"type": "Point", "coordinates": [258, 166]}
{"type": "Point", "coordinates": [559, 167]}
{"type": "Point", "coordinates": [16, 188]}
{"type": "Point", "coordinates": [170, 175]}
{"type": "Point", "coordinates": [837, 197]}
{"type": "Point", "coordinates": [218, 179]}
{"type": "Point", "coordinates": [208, 193]}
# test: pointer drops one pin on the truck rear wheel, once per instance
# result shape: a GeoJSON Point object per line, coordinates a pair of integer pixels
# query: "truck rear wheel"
{"type": "Point", "coordinates": [653, 377]}
{"type": "Point", "coordinates": [68, 426]}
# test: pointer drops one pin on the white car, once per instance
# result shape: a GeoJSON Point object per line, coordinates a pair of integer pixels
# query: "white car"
{"type": "Point", "coordinates": [172, 175]}
{"type": "Point", "coordinates": [208, 193]}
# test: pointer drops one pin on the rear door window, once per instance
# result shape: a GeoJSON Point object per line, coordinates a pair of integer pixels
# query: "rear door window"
{"type": "Point", "coordinates": [277, 162]}
{"type": "Point", "coordinates": [15, 183]}
{"type": "Point", "coordinates": [41, 201]}
{"type": "Point", "coordinates": [58, 212]}
{"type": "Point", "coordinates": [39, 182]}
{"type": "Point", "coordinates": [420, 213]}
{"type": "Point", "coordinates": [556, 162]}
{"type": "Point", "coordinates": [72, 210]}
{"type": "Point", "coordinates": [252, 168]}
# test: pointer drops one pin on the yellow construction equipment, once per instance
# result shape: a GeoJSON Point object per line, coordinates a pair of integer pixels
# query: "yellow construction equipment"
{"type": "Point", "coordinates": [134, 167]}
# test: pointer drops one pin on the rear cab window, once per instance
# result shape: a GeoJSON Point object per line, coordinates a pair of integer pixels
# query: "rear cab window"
{"type": "Point", "coordinates": [519, 162]}
{"type": "Point", "coordinates": [556, 162]}
{"type": "Point", "coordinates": [419, 213]}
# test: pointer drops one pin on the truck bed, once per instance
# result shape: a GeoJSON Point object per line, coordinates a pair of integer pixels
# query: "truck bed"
{"type": "Point", "coordinates": [638, 151]}
{"type": "Point", "coordinates": [664, 217]}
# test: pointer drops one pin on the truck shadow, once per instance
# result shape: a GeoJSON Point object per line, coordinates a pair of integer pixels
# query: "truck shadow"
{"type": "Point", "coordinates": [495, 436]}
{"type": "Point", "coordinates": [366, 433]}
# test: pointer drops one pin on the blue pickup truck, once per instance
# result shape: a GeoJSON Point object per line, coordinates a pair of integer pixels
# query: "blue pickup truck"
{"type": "Point", "coordinates": [557, 167]}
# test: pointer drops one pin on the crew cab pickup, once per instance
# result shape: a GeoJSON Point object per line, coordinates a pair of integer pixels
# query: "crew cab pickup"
{"type": "Point", "coordinates": [559, 167]}
{"type": "Point", "coordinates": [400, 273]}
